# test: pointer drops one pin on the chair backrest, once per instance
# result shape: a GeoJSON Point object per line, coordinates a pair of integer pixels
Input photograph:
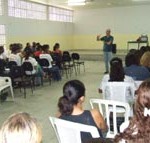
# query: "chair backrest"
{"type": "Point", "coordinates": [10, 64]}
{"type": "Point", "coordinates": [2, 66]}
{"type": "Point", "coordinates": [75, 56]}
{"type": "Point", "coordinates": [15, 72]}
{"type": "Point", "coordinates": [120, 91]}
{"type": "Point", "coordinates": [69, 132]}
{"type": "Point", "coordinates": [66, 56]}
{"type": "Point", "coordinates": [27, 66]}
{"type": "Point", "coordinates": [44, 62]}
{"type": "Point", "coordinates": [106, 107]}
{"type": "Point", "coordinates": [138, 83]}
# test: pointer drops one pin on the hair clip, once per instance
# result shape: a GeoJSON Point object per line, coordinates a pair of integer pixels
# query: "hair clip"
{"type": "Point", "coordinates": [146, 112]}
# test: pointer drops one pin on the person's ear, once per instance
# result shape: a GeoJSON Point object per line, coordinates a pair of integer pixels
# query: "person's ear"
{"type": "Point", "coordinates": [81, 99]}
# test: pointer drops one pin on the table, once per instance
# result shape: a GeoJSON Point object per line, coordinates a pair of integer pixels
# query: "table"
{"type": "Point", "coordinates": [137, 42]}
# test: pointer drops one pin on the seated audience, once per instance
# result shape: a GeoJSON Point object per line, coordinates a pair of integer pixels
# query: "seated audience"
{"type": "Point", "coordinates": [145, 60]}
{"type": "Point", "coordinates": [33, 48]}
{"type": "Point", "coordinates": [20, 128]}
{"type": "Point", "coordinates": [15, 54]}
{"type": "Point", "coordinates": [52, 68]}
{"type": "Point", "coordinates": [133, 68]}
{"type": "Point", "coordinates": [2, 53]}
{"type": "Point", "coordinates": [138, 130]}
{"type": "Point", "coordinates": [57, 55]}
{"type": "Point", "coordinates": [28, 47]}
{"type": "Point", "coordinates": [116, 73]}
{"type": "Point", "coordinates": [38, 51]}
{"type": "Point", "coordinates": [56, 49]}
{"type": "Point", "coordinates": [71, 108]}
{"type": "Point", "coordinates": [36, 67]}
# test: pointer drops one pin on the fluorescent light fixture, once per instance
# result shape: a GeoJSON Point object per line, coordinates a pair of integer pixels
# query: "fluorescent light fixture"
{"type": "Point", "coordinates": [76, 2]}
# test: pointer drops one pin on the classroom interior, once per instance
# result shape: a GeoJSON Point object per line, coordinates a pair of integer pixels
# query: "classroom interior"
{"type": "Point", "coordinates": [127, 20]}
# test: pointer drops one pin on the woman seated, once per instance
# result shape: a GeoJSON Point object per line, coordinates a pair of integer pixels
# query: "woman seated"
{"type": "Point", "coordinates": [52, 68]}
{"type": "Point", "coordinates": [138, 130]}
{"type": "Point", "coordinates": [133, 69]}
{"type": "Point", "coordinates": [116, 73]}
{"type": "Point", "coordinates": [145, 60]}
{"type": "Point", "coordinates": [15, 54]}
{"type": "Point", "coordinates": [56, 49]}
{"type": "Point", "coordinates": [2, 53]}
{"type": "Point", "coordinates": [20, 128]}
{"type": "Point", "coordinates": [37, 70]}
{"type": "Point", "coordinates": [71, 108]}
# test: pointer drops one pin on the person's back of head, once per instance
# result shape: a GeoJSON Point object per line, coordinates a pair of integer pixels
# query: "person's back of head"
{"type": "Point", "coordinates": [1, 49]}
{"type": "Point", "coordinates": [27, 54]}
{"type": "Point", "coordinates": [14, 48]}
{"type": "Point", "coordinates": [131, 59]}
{"type": "Point", "coordinates": [45, 48]}
{"type": "Point", "coordinates": [145, 59]}
{"type": "Point", "coordinates": [116, 70]}
{"type": "Point", "coordinates": [20, 128]}
{"type": "Point", "coordinates": [56, 46]}
{"type": "Point", "coordinates": [138, 130]}
{"type": "Point", "coordinates": [72, 91]}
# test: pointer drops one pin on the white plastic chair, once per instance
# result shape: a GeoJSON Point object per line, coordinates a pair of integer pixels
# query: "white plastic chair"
{"type": "Point", "coordinates": [69, 132]}
{"type": "Point", "coordinates": [5, 82]}
{"type": "Point", "coordinates": [138, 83]}
{"type": "Point", "coordinates": [107, 106]}
{"type": "Point", "coordinates": [123, 126]}
{"type": "Point", "coordinates": [119, 91]}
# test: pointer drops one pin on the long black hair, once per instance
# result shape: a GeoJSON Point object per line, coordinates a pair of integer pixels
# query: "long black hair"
{"type": "Point", "coordinates": [72, 91]}
{"type": "Point", "coordinates": [116, 70]}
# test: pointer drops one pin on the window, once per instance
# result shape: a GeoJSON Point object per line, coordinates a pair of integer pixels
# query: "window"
{"type": "Point", "coordinates": [23, 9]}
{"type": "Point", "coordinates": [60, 14]}
{"type": "Point", "coordinates": [2, 35]}
{"type": "Point", "coordinates": [1, 7]}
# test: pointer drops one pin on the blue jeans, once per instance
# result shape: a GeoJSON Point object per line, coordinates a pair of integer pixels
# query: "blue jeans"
{"type": "Point", "coordinates": [107, 58]}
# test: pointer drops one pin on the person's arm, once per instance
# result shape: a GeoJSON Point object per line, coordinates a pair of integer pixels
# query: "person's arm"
{"type": "Point", "coordinates": [110, 41]}
{"type": "Point", "coordinates": [99, 38]}
{"type": "Point", "coordinates": [99, 120]}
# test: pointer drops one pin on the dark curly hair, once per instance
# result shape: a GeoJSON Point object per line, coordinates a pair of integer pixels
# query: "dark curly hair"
{"type": "Point", "coordinates": [138, 130]}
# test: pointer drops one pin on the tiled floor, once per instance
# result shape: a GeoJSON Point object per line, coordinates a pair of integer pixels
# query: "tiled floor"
{"type": "Point", "coordinates": [43, 103]}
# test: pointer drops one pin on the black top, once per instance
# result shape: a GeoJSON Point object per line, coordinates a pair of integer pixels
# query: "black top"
{"type": "Point", "coordinates": [84, 118]}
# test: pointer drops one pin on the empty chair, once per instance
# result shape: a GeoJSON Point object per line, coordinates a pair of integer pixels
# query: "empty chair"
{"type": "Point", "coordinates": [108, 108]}
{"type": "Point", "coordinates": [77, 61]}
{"type": "Point", "coordinates": [67, 64]}
{"type": "Point", "coordinates": [5, 83]}
{"type": "Point", "coordinates": [69, 132]}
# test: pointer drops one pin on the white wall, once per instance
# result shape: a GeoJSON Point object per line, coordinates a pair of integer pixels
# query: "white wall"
{"type": "Point", "coordinates": [125, 20]}
{"type": "Point", "coordinates": [44, 31]}
{"type": "Point", "coordinates": [126, 23]}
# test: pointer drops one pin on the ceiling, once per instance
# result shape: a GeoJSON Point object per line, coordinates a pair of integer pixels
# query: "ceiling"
{"type": "Point", "coordinates": [94, 4]}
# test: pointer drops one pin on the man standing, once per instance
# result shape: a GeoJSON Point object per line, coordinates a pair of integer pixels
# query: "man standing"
{"type": "Point", "coordinates": [107, 48]}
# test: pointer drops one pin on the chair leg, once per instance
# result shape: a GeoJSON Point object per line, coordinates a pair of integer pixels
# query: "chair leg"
{"type": "Point", "coordinates": [12, 93]}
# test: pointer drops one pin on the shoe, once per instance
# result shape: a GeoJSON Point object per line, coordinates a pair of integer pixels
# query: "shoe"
{"type": "Point", "coordinates": [106, 72]}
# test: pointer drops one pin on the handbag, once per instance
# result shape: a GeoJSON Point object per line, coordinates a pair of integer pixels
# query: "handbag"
{"type": "Point", "coordinates": [114, 48]}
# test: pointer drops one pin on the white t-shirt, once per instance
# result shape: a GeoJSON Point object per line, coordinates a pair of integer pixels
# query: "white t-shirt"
{"type": "Point", "coordinates": [16, 58]}
{"type": "Point", "coordinates": [48, 57]}
{"type": "Point", "coordinates": [3, 56]}
{"type": "Point", "coordinates": [33, 62]}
